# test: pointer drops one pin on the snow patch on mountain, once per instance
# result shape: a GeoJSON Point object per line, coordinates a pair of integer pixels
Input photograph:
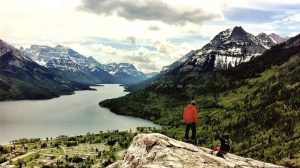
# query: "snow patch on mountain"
{"type": "Point", "coordinates": [227, 49]}
{"type": "Point", "coordinates": [70, 64]}
{"type": "Point", "coordinates": [271, 39]}
{"type": "Point", "coordinates": [118, 69]}
{"type": "Point", "coordinates": [59, 57]}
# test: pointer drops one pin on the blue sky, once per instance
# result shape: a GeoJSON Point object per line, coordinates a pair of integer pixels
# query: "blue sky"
{"type": "Point", "coordinates": [147, 33]}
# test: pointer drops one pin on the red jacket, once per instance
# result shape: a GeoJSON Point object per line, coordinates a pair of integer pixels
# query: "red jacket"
{"type": "Point", "coordinates": [190, 114]}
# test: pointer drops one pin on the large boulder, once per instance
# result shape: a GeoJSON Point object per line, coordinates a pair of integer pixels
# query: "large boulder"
{"type": "Point", "coordinates": [156, 150]}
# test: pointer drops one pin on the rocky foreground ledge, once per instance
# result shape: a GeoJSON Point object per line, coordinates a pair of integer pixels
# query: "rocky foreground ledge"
{"type": "Point", "coordinates": [156, 150]}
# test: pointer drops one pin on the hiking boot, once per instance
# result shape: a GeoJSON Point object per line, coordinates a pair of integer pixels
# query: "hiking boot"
{"type": "Point", "coordinates": [219, 154]}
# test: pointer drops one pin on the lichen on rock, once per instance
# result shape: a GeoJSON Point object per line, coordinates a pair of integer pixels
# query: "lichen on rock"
{"type": "Point", "coordinates": [156, 150]}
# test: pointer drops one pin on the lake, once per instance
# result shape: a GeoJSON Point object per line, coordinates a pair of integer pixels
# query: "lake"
{"type": "Point", "coordinates": [75, 114]}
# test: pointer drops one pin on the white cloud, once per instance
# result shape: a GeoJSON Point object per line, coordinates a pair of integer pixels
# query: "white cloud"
{"type": "Point", "coordinates": [58, 22]}
{"type": "Point", "coordinates": [141, 57]}
{"type": "Point", "coordinates": [292, 18]}
{"type": "Point", "coordinates": [170, 12]}
{"type": "Point", "coordinates": [257, 4]}
{"type": "Point", "coordinates": [55, 22]}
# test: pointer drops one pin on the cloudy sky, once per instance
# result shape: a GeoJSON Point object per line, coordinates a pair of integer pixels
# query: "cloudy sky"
{"type": "Point", "coordinates": [148, 33]}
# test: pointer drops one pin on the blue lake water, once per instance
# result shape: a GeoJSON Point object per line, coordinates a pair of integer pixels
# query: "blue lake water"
{"type": "Point", "coordinates": [67, 115]}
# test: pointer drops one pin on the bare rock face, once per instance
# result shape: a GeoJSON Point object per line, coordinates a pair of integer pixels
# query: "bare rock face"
{"type": "Point", "coordinates": [156, 150]}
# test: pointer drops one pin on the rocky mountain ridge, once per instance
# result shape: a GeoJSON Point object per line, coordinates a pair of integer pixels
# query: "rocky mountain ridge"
{"type": "Point", "coordinates": [69, 64]}
{"type": "Point", "coordinates": [124, 72]}
{"type": "Point", "coordinates": [269, 40]}
{"type": "Point", "coordinates": [227, 49]}
{"type": "Point", "coordinates": [74, 66]}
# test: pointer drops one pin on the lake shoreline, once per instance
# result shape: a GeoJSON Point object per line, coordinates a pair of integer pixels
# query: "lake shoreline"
{"type": "Point", "coordinates": [68, 115]}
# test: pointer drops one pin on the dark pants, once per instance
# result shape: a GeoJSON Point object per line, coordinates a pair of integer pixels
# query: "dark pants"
{"type": "Point", "coordinates": [187, 130]}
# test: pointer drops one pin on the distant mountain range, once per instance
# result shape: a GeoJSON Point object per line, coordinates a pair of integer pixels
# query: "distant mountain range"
{"type": "Point", "coordinates": [43, 72]}
{"type": "Point", "coordinates": [227, 49]}
{"type": "Point", "coordinates": [124, 72]}
{"type": "Point", "coordinates": [71, 65]}
{"type": "Point", "coordinates": [151, 74]}
{"type": "Point", "coordinates": [271, 39]}
{"type": "Point", "coordinates": [22, 78]}
{"type": "Point", "coordinates": [66, 68]}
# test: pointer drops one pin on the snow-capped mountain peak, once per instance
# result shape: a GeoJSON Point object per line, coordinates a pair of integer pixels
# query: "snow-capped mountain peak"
{"type": "Point", "coordinates": [271, 39]}
{"type": "Point", "coordinates": [179, 62]}
{"type": "Point", "coordinates": [70, 62]}
{"type": "Point", "coordinates": [225, 34]}
{"type": "Point", "coordinates": [238, 33]}
{"type": "Point", "coordinates": [125, 72]}
{"type": "Point", "coordinates": [227, 49]}
{"type": "Point", "coordinates": [61, 47]}
{"type": "Point", "coordinates": [115, 69]}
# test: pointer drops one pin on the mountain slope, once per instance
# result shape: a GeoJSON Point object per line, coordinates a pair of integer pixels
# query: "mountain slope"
{"type": "Point", "coordinates": [70, 64]}
{"type": "Point", "coordinates": [271, 39]}
{"type": "Point", "coordinates": [21, 78]}
{"type": "Point", "coordinates": [257, 102]}
{"type": "Point", "coordinates": [278, 38]}
{"type": "Point", "coordinates": [151, 74]}
{"type": "Point", "coordinates": [227, 49]}
{"type": "Point", "coordinates": [125, 73]}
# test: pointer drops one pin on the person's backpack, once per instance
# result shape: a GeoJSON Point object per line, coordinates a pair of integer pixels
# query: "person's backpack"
{"type": "Point", "coordinates": [225, 145]}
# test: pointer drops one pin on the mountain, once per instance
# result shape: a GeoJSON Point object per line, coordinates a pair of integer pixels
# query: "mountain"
{"type": "Point", "coordinates": [156, 150]}
{"type": "Point", "coordinates": [178, 63]}
{"type": "Point", "coordinates": [256, 102]}
{"type": "Point", "coordinates": [125, 73]}
{"type": "Point", "coordinates": [151, 74]}
{"type": "Point", "coordinates": [22, 78]}
{"type": "Point", "coordinates": [95, 62]}
{"type": "Point", "coordinates": [227, 49]}
{"type": "Point", "coordinates": [271, 39]}
{"type": "Point", "coordinates": [70, 64]}
{"type": "Point", "coordinates": [278, 38]}
{"type": "Point", "coordinates": [73, 66]}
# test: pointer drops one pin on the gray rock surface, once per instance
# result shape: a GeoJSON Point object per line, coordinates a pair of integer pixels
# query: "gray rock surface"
{"type": "Point", "coordinates": [156, 150]}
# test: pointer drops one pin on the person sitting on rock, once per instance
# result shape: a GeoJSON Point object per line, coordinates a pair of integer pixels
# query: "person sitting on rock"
{"type": "Point", "coordinates": [225, 145]}
{"type": "Point", "coordinates": [190, 117]}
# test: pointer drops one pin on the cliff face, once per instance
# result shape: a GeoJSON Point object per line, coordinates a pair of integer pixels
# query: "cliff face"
{"type": "Point", "coordinates": [156, 150]}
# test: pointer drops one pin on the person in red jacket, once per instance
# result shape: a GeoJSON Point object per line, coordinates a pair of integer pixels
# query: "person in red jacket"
{"type": "Point", "coordinates": [190, 117]}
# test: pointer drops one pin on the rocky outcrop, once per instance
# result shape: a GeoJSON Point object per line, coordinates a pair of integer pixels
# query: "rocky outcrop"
{"type": "Point", "coordinates": [156, 150]}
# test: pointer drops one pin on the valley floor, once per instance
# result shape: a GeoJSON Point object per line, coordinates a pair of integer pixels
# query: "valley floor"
{"type": "Point", "coordinates": [91, 150]}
